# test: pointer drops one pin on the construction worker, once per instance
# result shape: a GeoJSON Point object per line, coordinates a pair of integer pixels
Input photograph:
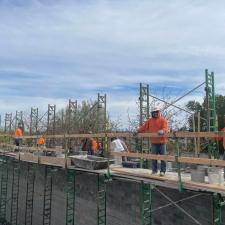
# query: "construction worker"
{"type": "Point", "coordinates": [117, 145]}
{"type": "Point", "coordinates": [18, 135]}
{"type": "Point", "coordinates": [157, 124]}
{"type": "Point", "coordinates": [94, 146]}
{"type": "Point", "coordinates": [89, 145]}
{"type": "Point", "coordinates": [41, 141]}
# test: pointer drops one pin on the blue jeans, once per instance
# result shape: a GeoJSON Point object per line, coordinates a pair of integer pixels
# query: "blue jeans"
{"type": "Point", "coordinates": [158, 149]}
{"type": "Point", "coordinates": [90, 152]}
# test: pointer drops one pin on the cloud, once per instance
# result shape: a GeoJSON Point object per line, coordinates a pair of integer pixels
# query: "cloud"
{"type": "Point", "coordinates": [56, 50]}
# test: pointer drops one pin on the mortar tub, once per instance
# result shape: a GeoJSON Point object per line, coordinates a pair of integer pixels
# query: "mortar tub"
{"type": "Point", "coordinates": [90, 162]}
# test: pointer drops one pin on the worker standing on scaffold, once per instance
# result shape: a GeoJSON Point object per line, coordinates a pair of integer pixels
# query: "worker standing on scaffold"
{"type": "Point", "coordinates": [18, 136]}
{"type": "Point", "coordinates": [41, 142]}
{"type": "Point", "coordinates": [157, 124]}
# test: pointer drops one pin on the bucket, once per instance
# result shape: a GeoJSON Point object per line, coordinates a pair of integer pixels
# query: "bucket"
{"type": "Point", "coordinates": [198, 174]}
{"type": "Point", "coordinates": [169, 166]}
{"type": "Point", "coordinates": [117, 160]}
{"type": "Point", "coordinates": [216, 176]}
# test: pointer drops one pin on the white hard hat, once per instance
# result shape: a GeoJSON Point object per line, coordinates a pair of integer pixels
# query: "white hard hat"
{"type": "Point", "coordinates": [155, 109]}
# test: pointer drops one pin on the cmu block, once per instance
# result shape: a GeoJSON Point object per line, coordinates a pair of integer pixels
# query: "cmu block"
{"type": "Point", "coordinates": [123, 201]}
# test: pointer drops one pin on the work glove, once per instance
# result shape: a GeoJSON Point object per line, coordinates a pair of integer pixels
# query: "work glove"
{"type": "Point", "coordinates": [161, 132]}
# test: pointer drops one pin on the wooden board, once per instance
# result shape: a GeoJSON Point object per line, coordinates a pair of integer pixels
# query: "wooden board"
{"type": "Point", "coordinates": [181, 159]}
{"type": "Point", "coordinates": [170, 178]}
{"type": "Point", "coordinates": [31, 149]}
{"type": "Point", "coordinates": [180, 134]}
{"type": "Point", "coordinates": [28, 157]}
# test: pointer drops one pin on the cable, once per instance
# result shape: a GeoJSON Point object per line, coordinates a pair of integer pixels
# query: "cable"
{"type": "Point", "coordinates": [182, 200]}
{"type": "Point", "coordinates": [175, 101]}
{"type": "Point", "coordinates": [174, 203]}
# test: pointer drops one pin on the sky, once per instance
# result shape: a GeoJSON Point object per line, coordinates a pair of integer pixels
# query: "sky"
{"type": "Point", "coordinates": [55, 50]}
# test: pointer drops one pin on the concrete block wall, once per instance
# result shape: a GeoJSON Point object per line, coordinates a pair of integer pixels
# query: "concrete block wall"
{"type": "Point", "coordinates": [123, 203]}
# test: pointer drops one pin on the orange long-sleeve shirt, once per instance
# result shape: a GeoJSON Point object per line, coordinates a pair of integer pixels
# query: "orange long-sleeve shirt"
{"type": "Point", "coordinates": [153, 125]}
{"type": "Point", "coordinates": [41, 141]}
{"type": "Point", "coordinates": [18, 133]}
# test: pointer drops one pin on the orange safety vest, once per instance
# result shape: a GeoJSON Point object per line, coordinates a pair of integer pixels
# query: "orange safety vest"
{"type": "Point", "coordinates": [41, 141]}
{"type": "Point", "coordinates": [94, 145]}
{"type": "Point", "coordinates": [18, 133]}
{"type": "Point", "coordinates": [153, 125]}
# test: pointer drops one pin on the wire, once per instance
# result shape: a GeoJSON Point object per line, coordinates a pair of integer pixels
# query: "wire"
{"type": "Point", "coordinates": [174, 203]}
{"type": "Point", "coordinates": [182, 200]}
{"type": "Point", "coordinates": [191, 113]}
{"type": "Point", "coordinates": [175, 101]}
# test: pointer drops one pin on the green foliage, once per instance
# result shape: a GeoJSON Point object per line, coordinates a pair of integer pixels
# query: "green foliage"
{"type": "Point", "coordinates": [195, 107]}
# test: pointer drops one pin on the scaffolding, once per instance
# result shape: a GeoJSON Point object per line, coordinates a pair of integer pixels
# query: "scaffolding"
{"type": "Point", "coordinates": [4, 188]}
{"type": "Point", "coordinates": [72, 111]}
{"type": "Point", "coordinates": [47, 206]}
{"type": "Point", "coordinates": [8, 122]}
{"type": "Point", "coordinates": [101, 114]}
{"type": "Point", "coordinates": [144, 116]}
{"type": "Point", "coordinates": [33, 121]}
{"type": "Point", "coordinates": [70, 197]}
{"type": "Point", "coordinates": [30, 194]}
{"type": "Point", "coordinates": [213, 150]}
{"type": "Point", "coordinates": [15, 193]}
{"type": "Point", "coordinates": [51, 123]}
{"type": "Point", "coordinates": [19, 119]}
{"type": "Point", "coordinates": [101, 199]}
{"type": "Point", "coordinates": [146, 203]}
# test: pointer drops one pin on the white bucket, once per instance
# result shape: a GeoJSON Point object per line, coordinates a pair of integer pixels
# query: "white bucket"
{"type": "Point", "coordinates": [169, 166]}
{"type": "Point", "coordinates": [198, 174]}
{"type": "Point", "coordinates": [118, 160]}
{"type": "Point", "coordinates": [216, 176]}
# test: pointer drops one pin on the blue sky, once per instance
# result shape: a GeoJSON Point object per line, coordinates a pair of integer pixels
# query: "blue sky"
{"type": "Point", "coordinates": [53, 50]}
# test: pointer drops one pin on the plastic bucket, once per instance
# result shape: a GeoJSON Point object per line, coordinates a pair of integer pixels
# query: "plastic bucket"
{"type": "Point", "coordinates": [216, 176]}
{"type": "Point", "coordinates": [198, 174]}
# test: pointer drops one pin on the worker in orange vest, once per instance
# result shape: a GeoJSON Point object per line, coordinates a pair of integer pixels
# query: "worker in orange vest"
{"type": "Point", "coordinates": [18, 136]}
{"type": "Point", "coordinates": [41, 141]}
{"type": "Point", "coordinates": [157, 124]}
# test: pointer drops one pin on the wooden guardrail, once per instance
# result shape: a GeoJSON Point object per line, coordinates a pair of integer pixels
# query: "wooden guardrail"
{"type": "Point", "coordinates": [179, 134]}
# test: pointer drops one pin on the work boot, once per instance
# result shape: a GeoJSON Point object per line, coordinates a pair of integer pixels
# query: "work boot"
{"type": "Point", "coordinates": [154, 172]}
{"type": "Point", "coordinates": [162, 174]}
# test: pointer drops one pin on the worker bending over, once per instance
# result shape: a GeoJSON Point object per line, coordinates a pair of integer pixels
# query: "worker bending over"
{"type": "Point", "coordinates": [117, 145]}
{"type": "Point", "coordinates": [89, 145]}
{"type": "Point", "coordinates": [157, 124]}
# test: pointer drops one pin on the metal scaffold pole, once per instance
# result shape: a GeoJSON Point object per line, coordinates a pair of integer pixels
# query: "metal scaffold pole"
{"type": "Point", "coordinates": [51, 122]}
{"type": "Point", "coordinates": [30, 194]}
{"type": "Point", "coordinates": [47, 196]}
{"type": "Point", "coordinates": [8, 122]}
{"type": "Point", "coordinates": [213, 150]}
{"type": "Point", "coordinates": [19, 118]}
{"type": "Point", "coordinates": [101, 199]}
{"type": "Point", "coordinates": [15, 192]}
{"type": "Point", "coordinates": [4, 188]}
{"type": "Point", "coordinates": [218, 203]}
{"type": "Point", "coordinates": [144, 115]}
{"type": "Point", "coordinates": [146, 203]}
{"type": "Point", "coordinates": [70, 197]}
{"type": "Point", "coordinates": [33, 121]}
